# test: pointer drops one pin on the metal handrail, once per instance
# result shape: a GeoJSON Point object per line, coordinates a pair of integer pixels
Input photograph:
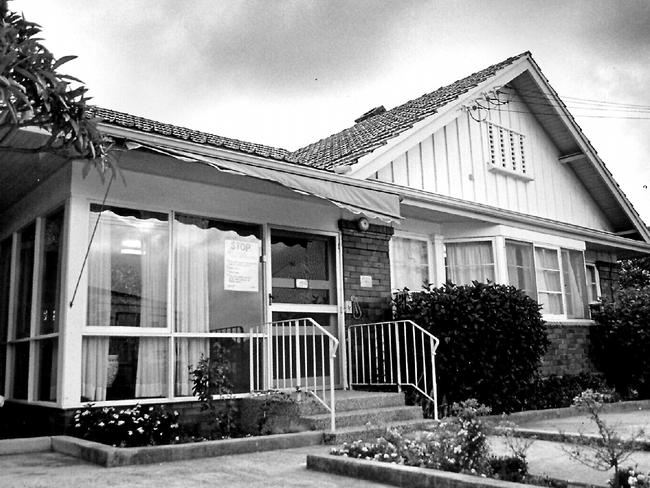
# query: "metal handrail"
{"type": "Point", "coordinates": [295, 360]}
{"type": "Point", "coordinates": [388, 353]}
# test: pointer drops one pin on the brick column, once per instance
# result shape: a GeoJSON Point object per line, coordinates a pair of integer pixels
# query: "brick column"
{"type": "Point", "coordinates": [366, 254]}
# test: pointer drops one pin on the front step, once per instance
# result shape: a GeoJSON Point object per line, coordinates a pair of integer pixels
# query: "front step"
{"type": "Point", "coordinates": [353, 400]}
{"type": "Point", "coordinates": [360, 418]}
{"type": "Point", "coordinates": [369, 434]}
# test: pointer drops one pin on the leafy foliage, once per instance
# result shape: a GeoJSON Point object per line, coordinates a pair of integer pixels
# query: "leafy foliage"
{"type": "Point", "coordinates": [33, 93]}
{"type": "Point", "coordinates": [270, 412]}
{"type": "Point", "coordinates": [457, 444]}
{"type": "Point", "coordinates": [212, 377]}
{"type": "Point", "coordinates": [635, 273]}
{"type": "Point", "coordinates": [127, 427]}
{"type": "Point", "coordinates": [620, 341]}
{"type": "Point", "coordinates": [559, 391]}
{"type": "Point", "coordinates": [492, 340]}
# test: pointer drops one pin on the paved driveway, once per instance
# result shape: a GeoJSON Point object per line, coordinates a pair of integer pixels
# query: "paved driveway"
{"type": "Point", "coordinates": [264, 469]}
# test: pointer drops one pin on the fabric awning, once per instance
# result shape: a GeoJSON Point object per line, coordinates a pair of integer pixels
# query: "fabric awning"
{"type": "Point", "coordinates": [356, 199]}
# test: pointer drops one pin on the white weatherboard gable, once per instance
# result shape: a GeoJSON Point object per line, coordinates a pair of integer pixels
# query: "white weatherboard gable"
{"type": "Point", "coordinates": [455, 161]}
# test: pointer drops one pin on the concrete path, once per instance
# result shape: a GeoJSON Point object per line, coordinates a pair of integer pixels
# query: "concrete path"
{"type": "Point", "coordinates": [285, 468]}
{"type": "Point", "coordinates": [627, 423]}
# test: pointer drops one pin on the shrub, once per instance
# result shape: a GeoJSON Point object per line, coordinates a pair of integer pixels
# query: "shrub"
{"type": "Point", "coordinates": [457, 444]}
{"type": "Point", "coordinates": [492, 339]}
{"type": "Point", "coordinates": [127, 427]}
{"type": "Point", "coordinates": [559, 391]}
{"type": "Point", "coordinates": [620, 341]}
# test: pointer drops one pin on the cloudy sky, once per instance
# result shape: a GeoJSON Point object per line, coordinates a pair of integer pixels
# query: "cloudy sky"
{"type": "Point", "coordinates": [289, 72]}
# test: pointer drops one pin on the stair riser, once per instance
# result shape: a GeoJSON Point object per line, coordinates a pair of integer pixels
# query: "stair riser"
{"type": "Point", "coordinates": [376, 418]}
{"type": "Point", "coordinates": [371, 434]}
{"type": "Point", "coordinates": [361, 403]}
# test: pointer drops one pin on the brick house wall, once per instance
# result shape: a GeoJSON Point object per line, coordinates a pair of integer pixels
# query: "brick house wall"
{"type": "Point", "coordinates": [568, 352]}
{"type": "Point", "coordinates": [366, 254]}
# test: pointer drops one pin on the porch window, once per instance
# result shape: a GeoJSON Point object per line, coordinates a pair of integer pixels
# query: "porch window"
{"type": "Point", "coordinates": [33, 342]}
{"type": "Point", "coordinates": [549, 281]}
{"type": "Point", "coordinates": [575, 284]}
{"type": "Point", "coordinates": [409, 263]}
{"type": "Point", "coordinates": [521, 267]}
{"type": "Point", "coordinates": [469, 261]}
{"type": "Point", "coordinates": [554, 277]}
{"type": "Point", "coordinates": [593, 283]}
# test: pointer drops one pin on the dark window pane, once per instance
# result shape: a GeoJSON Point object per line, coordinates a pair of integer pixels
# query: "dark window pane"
{"type": "Point", "coordinates": [51, 273]}
{"type": "Point", "coordinates": [47, 357]}
{"type": "Point", "coordinates": [21, 370]}
{"type": "Point", "coordinates": [24, 284]}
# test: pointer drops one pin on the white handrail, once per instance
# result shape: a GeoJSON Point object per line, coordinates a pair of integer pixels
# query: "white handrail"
{"type": "Point", "coordinates": [398, 352]}
{"type": "Point", "coordinates": [293, 349]}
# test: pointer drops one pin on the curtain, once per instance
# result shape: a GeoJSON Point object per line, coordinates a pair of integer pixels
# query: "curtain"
{"type": "Point", "coordinates": [94, 365]}
{"type": "Point", "coordinates": [548, 280]}
{"type": "Point", "coordinates": [469, 261]}
{"type": "Point", "coordinates": [94, 368]}
{"type": "Point", "coordinates": [192, 298]}
{"type": "Point", "coordinates": [521, 267]}
{"type": "Point", "coordinates": [151, 376]}
{"type": "Point", "coordinates": [410, 263]}
{"type": "Point", "coordinates": [575, 285]}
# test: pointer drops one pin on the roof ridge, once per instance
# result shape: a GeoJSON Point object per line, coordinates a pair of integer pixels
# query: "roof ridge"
{"type": "Point", "coordinates": [364, 136]}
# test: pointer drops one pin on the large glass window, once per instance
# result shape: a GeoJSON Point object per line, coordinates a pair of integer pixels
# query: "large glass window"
{"type": "Point", "coordinates": [469, 261]}
{"type": "Point", "coordinates": [218, 286]}
{"type": "Point", "coordinates": [575, 284]}
{"type": "Point", "coordinates": [127, 268]}
{"type": "Point", "coordinates": [26, 242]}
{"type": "Point", "coordinates": [521, 267]}
{"type": "Point", "coordinates": [549, 284]}
{"type": "Point", "coordinates": [409, 263]}
{"type": "Point", "coordinates": [593, 286]}
{"type": "Point", "coordinates": [52, 232]}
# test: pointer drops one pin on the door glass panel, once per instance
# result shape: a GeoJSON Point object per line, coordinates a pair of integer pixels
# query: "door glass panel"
{"type": "Point", "coordinates": [303, 269]}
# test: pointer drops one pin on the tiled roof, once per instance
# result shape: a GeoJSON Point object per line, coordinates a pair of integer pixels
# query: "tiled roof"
{"type": "Point", "coordinates": [122, 119]}
{"type": "Point", "coordinates": [347, 146]}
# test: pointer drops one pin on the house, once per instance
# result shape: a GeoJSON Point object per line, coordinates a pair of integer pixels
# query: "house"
{"type": "Point", "coordinates": [111, 288]}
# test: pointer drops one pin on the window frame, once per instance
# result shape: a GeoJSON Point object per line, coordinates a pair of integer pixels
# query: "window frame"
{"type": "Point", "coordinates": [599, 295]}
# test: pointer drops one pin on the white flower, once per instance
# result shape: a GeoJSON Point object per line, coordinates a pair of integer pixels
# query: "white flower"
{"type": "Point", "coordinates": [141, 430]}
{"type": "Point", "coordinates": [130, 432]}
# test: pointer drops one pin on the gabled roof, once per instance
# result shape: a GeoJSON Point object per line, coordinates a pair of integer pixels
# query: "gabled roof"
{"type": "Point", "coordinates": [122, 119]}
{"type": "Point", "coordinates": [347, 146]}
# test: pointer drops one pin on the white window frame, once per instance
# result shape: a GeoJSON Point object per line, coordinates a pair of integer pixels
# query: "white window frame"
{"type": "Point", "coordinates": [431, 271]}
{"type": "Point", "coordinates": [596, 277]}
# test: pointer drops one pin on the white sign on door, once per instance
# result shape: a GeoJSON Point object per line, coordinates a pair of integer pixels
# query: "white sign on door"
{"type": "Point", "coordinates": [241, 265]}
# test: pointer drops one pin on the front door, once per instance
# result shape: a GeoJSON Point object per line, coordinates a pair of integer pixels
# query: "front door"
{"type": "Point", "coordinates": [304, 284]}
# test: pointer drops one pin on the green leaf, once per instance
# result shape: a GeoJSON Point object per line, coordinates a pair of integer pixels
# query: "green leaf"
{"type": "Point", "coordinates": [63, 60]}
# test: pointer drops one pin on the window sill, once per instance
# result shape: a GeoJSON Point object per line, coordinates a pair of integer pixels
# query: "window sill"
{"type": "Point", "coordinates": [509, 172]}
{"type": "Point", "coordinates": [559, 321]}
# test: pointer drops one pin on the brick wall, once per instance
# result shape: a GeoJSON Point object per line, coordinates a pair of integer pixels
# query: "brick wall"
{"type": "Point", "coordinates": [568, 352]}
{"type": "Point", "coordinates": [366, 253]}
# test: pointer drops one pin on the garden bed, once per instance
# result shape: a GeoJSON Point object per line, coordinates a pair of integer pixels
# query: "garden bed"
{"type": "Point", "coordinates": [413, 477]}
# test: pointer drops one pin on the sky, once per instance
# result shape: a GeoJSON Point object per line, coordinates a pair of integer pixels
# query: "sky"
{"type": "Point", "coordinates": [289, 72]}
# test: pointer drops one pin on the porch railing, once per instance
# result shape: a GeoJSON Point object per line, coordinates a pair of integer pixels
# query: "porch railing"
{"type": "Point", "coordinates": [298, 354]}
{"type": "Point", "coordinates": [399, 353]}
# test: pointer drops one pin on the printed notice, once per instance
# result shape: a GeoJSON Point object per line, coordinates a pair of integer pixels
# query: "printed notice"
{"type": "Point", "coordinates": [241, 265]}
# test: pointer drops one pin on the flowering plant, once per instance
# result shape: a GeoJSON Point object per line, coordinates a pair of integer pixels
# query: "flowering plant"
{"type": "Point", "coordinates": [630, 478]}
{"type": "Point", "coordinates": [127, 427]}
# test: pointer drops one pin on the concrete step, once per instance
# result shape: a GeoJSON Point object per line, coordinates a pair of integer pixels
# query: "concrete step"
{"type": "Point", "coordinates": [354, 433]}
{"type": "Point", "coordinates": [372, 416]}
{"type": "Point", "coordinates": [354, 400]}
